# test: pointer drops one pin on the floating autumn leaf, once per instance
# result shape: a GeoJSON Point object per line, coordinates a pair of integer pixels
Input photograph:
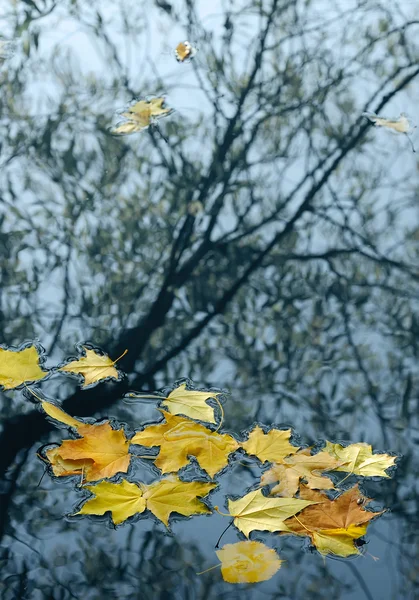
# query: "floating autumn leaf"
{"type": "Point", "coordinates": [400, 125]}
{"type": "Point", "coordinates": [64, 468]}
{"type": "Point", "coordinates": [256, 511]}
{"type": "Point", "coordinates": [173, 495]}
{"type": "Point", "coordinates": [359, 459]}
{"type": "Point", "coordinates": [271, 446]}
{"type": "Point", "coordinates": [93, 366]}
{"type": "Point", "coordinates": [102, 452]}
{"type": "Point", "coordinates": [19, 366]}
{"type": "Point", "coordinates": [248, 562]}
{"type": "Point", "coordinates": [140, 115]}
{"type": "Point", "coordinates": [333, 525]}
{"type": "Point", "coordinates": [179, 438]}
{"type": "Point", "coordinates": [122, 500]}
{"type": "Point", "coordinates": [301, 465]}
{"type": "Point", "coordinates": [184, 51]}
{"type": "Point", "coordinates": [191, 403]}
{"type": "Point", "coordinates": [58, 414]}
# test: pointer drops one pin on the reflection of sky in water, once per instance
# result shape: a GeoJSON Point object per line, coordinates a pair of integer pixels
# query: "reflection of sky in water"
{"type": "Point", "coordinates": [147, 60]}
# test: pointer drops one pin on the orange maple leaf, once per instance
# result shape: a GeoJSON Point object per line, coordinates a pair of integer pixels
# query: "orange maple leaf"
{"type": "Point", "coordinates": [100, 453]}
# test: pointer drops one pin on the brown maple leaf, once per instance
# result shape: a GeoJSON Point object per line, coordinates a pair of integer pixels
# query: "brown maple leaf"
{"type": "Point", "coordinates": [333, 525]}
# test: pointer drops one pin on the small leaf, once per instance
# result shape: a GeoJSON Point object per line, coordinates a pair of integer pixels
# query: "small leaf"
{"type": "Point", "coordinates": [19, 366]}
{"type": "Point", "coordinates": [400, 125]}
{"type": "Point", "coordinates": [271, 446]}
{"type": "Point", "coordinates": [248, 562]}
{"type": "Point", "coordinates": [122, 499]}
{"type": "Point", "coordinates": [94, 367]}
{"type": "Point", "coordinates": [190, 403]}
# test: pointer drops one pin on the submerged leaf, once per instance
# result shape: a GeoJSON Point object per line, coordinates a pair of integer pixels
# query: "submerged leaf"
{"type": "Point", "coordinates": [179, 438]}
{"type": "Point", "coordinates": [94, 367]}
{"type": "Point", "coordinates": [19, 366]}
{"type": "Point", "coordinates": [359, 459]}
{"type": "Point", "coordinates": [122, 499]}
{"type": "Point", "coordinates": [256, 511]}
{"type": "Point", "coordinates": [271, 446]}
{"type": "Point", "coordinates": [333, 525]}
{"type": "Point", "coordinates": [248, 562]}
{"type": "Point", "coordinates": [173, 495]}
{"type": "Point", "coordinates": [140, 115]}
{"type": "Point", "coordinates": [300, 465]}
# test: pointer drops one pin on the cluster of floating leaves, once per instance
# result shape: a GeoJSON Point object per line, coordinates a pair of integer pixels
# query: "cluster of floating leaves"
{"type": "Point", "coordinates": [296, 494]}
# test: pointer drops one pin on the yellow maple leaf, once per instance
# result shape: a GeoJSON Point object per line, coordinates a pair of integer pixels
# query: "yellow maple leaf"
{"type": "Point", "coordinates": [271, 446]}
{"type": "Point", "coordinates": [191, 403]}
{"type": "Point", "coordinates": [256, 511]}
{"type": "Point", "coordinates": [122, 499]}
{"type": "Point", "coordinates": [339, 541]}
{"type": "Point", "coordinates": [140, 115]}
{"type": "Point", "coordinates": [359, 459]}
{"type": "Point", "coordinates": [19, 366]}
{"type": "Point", "coordinates": [300, 465]}
{"type": "Point", "coordinates": [248, 562]}
{"type": "Point", "coordinates": [94, 367]}
{"type": "Point", "coordinates": [333, 525]}
{"type": "Point", "coordinates": [102, 451]}
{"type": "Point", "coordinates": [179, 438]}
{"type": "Point", "coordinates": [173, 495]}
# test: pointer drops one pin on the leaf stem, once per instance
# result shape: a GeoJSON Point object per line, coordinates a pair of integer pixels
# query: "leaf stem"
{"type": "Point", "coordinates": [119, 357]}
{"type": "Point", "coordinates": [220, 513]}
{"type": "Point", "coordinates": [145, 397]}
{"type": "Point", "coordinates": [228, 527]}
{"type": "Point", "coordinates": [302, 525]}
{"type": "Point", "coordinates": [210, 569]}
{"type": "Point", "coordinates": [33, 393]}
{"type": "Point", "coordinates": [222, 413]}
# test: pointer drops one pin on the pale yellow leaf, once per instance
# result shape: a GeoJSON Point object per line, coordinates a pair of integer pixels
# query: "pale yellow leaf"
{"type": "Point", "coordinates": [94, 367]}
{"type": "Point", "coordinates": [256, 511]}
{"type": "Point", "coordinates": [248, 562]}
{"type": "Point", "coordinates": [21, 366]}
{"type": "Point", "coordinates": [190, 403]}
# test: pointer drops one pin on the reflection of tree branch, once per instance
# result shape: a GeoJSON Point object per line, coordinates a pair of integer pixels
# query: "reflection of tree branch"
{"type": "Point", "coordinates": [66, 299]}
{"type": "Point", "coordinates": [360, 579]}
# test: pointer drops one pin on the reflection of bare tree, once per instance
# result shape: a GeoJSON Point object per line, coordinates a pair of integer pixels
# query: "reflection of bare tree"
{"type": "Point", "coordinates": [268, 247]}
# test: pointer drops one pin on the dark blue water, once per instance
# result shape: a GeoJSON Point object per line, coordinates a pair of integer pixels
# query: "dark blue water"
{"type": "Point", "coordinates": [262, 239]}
